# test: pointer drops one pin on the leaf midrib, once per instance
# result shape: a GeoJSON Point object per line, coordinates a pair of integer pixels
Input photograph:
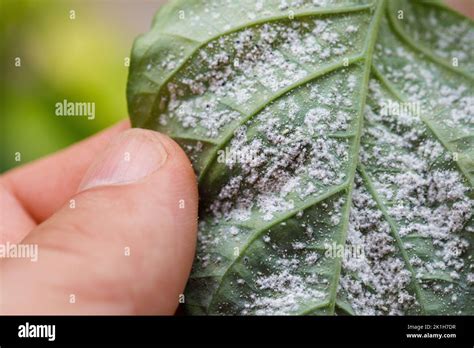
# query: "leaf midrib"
{"type": "Point", "coordinates": [402, 34]}
{"type": "Point", "coordinates": [367, 56]}
{"type": "Point", "coordinates": [393, 225]}
{"type": "Point", "coordinates": [369, 48]}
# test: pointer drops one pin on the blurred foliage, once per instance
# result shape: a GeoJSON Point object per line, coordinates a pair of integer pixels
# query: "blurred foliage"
{"type": "Point", "coordinates": [81, 60]}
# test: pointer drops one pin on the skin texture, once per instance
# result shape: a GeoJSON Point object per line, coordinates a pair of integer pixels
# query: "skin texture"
{"type": "Point", "coordinates": [81, 250]}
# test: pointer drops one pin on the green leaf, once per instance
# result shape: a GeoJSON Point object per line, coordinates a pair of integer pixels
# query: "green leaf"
{"type": "Point", "coordinates": [333, 145]}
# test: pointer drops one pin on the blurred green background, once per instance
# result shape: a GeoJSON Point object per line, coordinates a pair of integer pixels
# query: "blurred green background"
{"type": "Point", "coordinates": [81, 60]}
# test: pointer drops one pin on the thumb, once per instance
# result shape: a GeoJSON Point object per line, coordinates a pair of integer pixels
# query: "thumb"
{"type": "Point", "coordinates": [124, 244]}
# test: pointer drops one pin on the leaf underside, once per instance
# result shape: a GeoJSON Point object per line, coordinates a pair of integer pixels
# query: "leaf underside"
{"type": "Point", "coordinates": [333, 142]}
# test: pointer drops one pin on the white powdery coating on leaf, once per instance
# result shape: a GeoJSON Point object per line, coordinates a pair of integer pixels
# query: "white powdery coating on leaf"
{"type": "Point", "coordinates": [423, 199]}
{"type": "Point", "coordinates": [380, 285]}
{"type": "Point", "coordinates": [243, 66]}
{"type": "Point", "coordinates": [425, 202]}
{"type": "Point", "coordinates": [430, 85]}
{"type": "Point", "coordinates": [282, 165]}
{"type": "Point", "coordinates": [287, 291]}
{"type": "Point", "coordinates": [289, 158]}
{"type": "Point", "coordinates": [453, 38]}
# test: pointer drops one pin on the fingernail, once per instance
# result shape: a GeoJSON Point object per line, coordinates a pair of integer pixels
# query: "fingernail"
{"type": "Point", "coordinates": [131, 156]}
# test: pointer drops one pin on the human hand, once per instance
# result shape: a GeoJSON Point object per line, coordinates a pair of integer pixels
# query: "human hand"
{"type": "Point", "coordinates": [114, 224]}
